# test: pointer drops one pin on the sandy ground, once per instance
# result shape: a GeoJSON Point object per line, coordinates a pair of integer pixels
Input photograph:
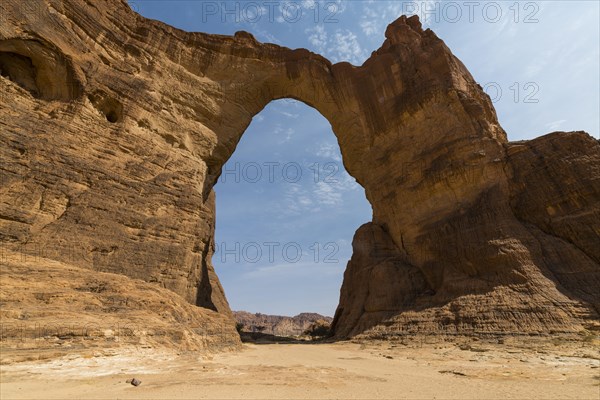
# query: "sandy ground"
{"type": "Point", "coordinates": [327, 370]}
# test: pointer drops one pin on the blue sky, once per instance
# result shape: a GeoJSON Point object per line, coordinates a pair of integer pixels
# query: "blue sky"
{"type": "Point", "coordinates": [286, 208]}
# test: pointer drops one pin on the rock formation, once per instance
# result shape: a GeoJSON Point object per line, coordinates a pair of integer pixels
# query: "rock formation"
{"type": "Point", "coordinates": [50, 308]}
{"type": "Point", "coordinates": [114, 129]}
{"type": "Point", "coordinates": [278, 325]}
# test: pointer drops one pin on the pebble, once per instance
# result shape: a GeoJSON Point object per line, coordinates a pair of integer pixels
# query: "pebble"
{"type": "Point", "coordinates": [134, 382]}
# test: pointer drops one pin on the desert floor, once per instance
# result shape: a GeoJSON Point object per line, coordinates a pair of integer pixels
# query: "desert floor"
{"type": "Point", "coordinates": [322, 370]}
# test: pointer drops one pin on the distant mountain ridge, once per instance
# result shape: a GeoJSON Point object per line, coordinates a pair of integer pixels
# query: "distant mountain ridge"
{"type": "Point", "coordinates": [278, 325]}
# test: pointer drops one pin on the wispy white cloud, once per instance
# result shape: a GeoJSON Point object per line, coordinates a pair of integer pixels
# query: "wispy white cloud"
{"type": "Point", "coordinates": [341, 45]}
{"type": "Point", "coordinates": [317, 36]}
{"type": "Point", "coordinates": [314, 193]}
{"type": "Point", "coordinates": [328, 194]}
{"type": "Point", "coordinates": [369, 27]}
{"type": "Point", "coordinates": [555, 125]}
{"type": "Point", "coordinates": [309, 4]}
{"type": "Point", "coordinates": [340, 6]}
{"type": "Point", "coordinates": [328, 151]}
{"type": "Point", "coordinates": [264, 36]}
{"type": "Point", "coordinates": [289, 114]}
{"type": "Point", "coordinates": [298, 200]}
{"type": "Point", "coordinates": [344, 46]}
{"type": "Point", "coordinates": [376, 15]}
{"type": "Point", "coordinates": [284, 134]}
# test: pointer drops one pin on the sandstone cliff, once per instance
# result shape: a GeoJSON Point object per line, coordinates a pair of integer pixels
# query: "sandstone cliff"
{"type": "Point", "coordinates": [50, 308]}
{"type": "Point", "coordinates": [114, 129]}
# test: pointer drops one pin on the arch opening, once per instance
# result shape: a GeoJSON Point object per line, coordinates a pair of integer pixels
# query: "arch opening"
{"type": "Point", "coordinates": [286, 213]}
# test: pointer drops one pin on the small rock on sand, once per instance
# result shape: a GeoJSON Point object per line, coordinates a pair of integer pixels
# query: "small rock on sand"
{"type": "Point", "coordinates": [134, 382]}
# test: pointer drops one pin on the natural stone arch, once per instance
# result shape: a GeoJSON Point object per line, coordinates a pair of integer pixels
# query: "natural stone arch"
{"type": "Point", "coordinates": [420, 194]}
{"type": "Point", "coordinates": [373, 123]}
{"type": "Point", "coordinates": [453, 213]}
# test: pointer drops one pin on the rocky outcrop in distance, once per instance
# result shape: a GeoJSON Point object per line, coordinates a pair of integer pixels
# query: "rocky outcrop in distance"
{"type": "Point", "coordinates": [278, 325]}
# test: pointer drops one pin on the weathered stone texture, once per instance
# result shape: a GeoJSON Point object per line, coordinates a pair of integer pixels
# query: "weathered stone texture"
{"type": "Point", "coordinates": [114, 129]}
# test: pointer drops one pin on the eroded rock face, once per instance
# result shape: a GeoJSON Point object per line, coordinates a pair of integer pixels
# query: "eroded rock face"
{"type": "Point", "coordinates": [115, 129]}
{"type": "Point", "coordinates": [50, 308]}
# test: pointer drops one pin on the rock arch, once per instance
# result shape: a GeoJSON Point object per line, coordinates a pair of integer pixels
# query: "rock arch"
{"type": "Point", "coordinates": [460, 242]}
